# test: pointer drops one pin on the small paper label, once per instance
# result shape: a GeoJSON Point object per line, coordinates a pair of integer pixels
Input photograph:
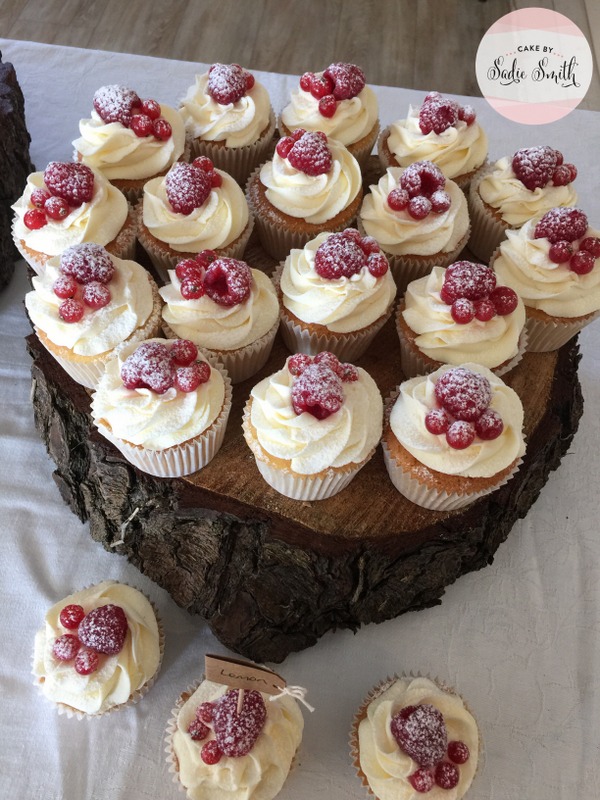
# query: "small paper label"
{"type": "Point", "coordinates": [242, 675]}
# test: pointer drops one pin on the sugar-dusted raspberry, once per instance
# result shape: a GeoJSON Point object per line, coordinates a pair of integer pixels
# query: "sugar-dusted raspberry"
{"type": "Point", "coordinates": [327, 106]}
{"type": "Point", "coordinates": [377, 264]}
{"type": "Point", "coordinates": [581, 262]}
{"type": "Point", "coordinates": [368, 244]}
{"type": "Point", "coordinates": [440, 201]}
{"type": "Point", "coordinates": [437, 114]}
{"type": "Point", "coordinates": [534, 166]}
{"type": "Point", "coordinates": [562, 224]}
{"type": "Point", "coordinates": [250, 81]}
{"type": "Point", "coordinates": [561, 175]}
{"type": "Point", "coordinates": [489, 426]}
{"type": "Point", "coordinates": [348, 80]}
{"type": "Point", "coordinates": [86, 661]}
{"type": "Point", "coordinates": [197, 730]}
{"type": "Point", "coordinates": [484, 310]}
{"type": "Point", "coordinates": [310, 154]}
{"type": "Point", "coordinates": [192, 286]}
{"type": "Point", "coordinates": [104, 629]}
{"type": "Point", "coordinates": [204, 712]}
{"type": "Point", "coordinates": [72, 181]}
{"type": "Point", "coordinates": [211, 753]}
{"type": "Point", "coordinates": [339, 256]}
{"type": "Point", "coordinates": [187, 187]}
{"type": "Point", "coordinates": [504, 299]}
{"type": "Point", "coordinates": [318, 391]}
{"type": "Point", "coordinates": [284, 145]}
{"type": "Point", "coordinates": [420, 732]}
{"type": "Point", "coordinates": [162, 129]}
{"type": "Point", "coordinates": [228, 281]}
{"type": "Point", "coordinates": [206, 257]}
{"type": "Point", "coordinates": [87, 262]}
{"type": "Point", "coordinates": [96, 295]}
{"type": "Point", "coordinates": [560, 252]}
{"type": "Point", "coordinates": [151, 108]}
{"type": "Point", "coordinates": [150, 366]}
{"type": "Point", "coordinates": [398, 199]}
{"type": "Point", "coordinates": [189, 268]}
{"type": "Point", "coordinates": [188, 379]}
{"type": "Point", "coordinates": [469, 279]}
{"type": "Point", "coordinates": [460, 434]}
{"type": "Point", "coordinates": [204, 163]}
{"type": "Point", "coordinates": [56, 208]}
{"type": "Point", "coordinates": [422, 178]}
{"type": "Point", "coordinates": [458, 752]}
{"type": "Point", "coordinates": [226, 83]}
{"type": "Point", "coordinates": [347, 372]}
{"type": "Point", "coordinates": [38, 197]}
{"type": "Point", "coordinates": [321, 86]}
{"type": "Point", "coordinates": [462, 311]}
{"type": "Point", "coordinates": [34, 219]}
{"type": "Point", "coordinates": [216, 180]}
{"type": "Point", "coordinates": [64, 286]}
{"type": "Point", "coordinates": [71, 615]}
{"type": "Point", "coordinates": [70, 310]}
{"type": "Point", "coordinates": [419, 207]}
{"type": "Point", "coordinates": [116, 103]}
{"type": "Point", "coordinates": [463, 393]}
{"type": "Point", "coordinates": [306, 81]}
{"type": "Point", "coordinates": [446, 775]}
{"type": "Point", "coordinates": [236, 733]}
{"type": "Point", "coordinates": [298, 363]}
{"type": "Point", "coordinates": [65, 647]}
{"type": "Point", "coordinates": [422, 780]}
{"type": "Point", "coordinates": [437, 421]}
{"type": "Point", "coordinates": [142, 125]}
{"type": "Point", "coordinates": [591, 244]}
{"type": "Point", "coordinates": [467, 114]}
{"type": "Point", "coordinates": [183, 352]}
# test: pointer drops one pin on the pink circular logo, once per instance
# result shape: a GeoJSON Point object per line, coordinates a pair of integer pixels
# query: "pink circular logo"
{"type": "Point", "coordinates": [534, 66]}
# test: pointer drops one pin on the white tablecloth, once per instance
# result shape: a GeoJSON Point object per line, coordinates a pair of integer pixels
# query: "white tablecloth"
{"type": "Point", "coordinates": [519, 639]}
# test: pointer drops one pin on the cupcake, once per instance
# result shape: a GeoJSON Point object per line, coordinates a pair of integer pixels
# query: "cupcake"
{"type": "Point", "coordinates": [217, 749]}
{"type": "Point", "coordinates": [88, 302]}
{"type": "Point", "coordinates": [413, 737]}
{"type": "Point", "coordinates": [312, 185]}
{"type": "Point", "coordinates": [194, 207]}
{"type": "Point", "coordinates": [440, 130]}
{"type": "Point", "coordinates": [338, 102]}
{"type": "Point", "coordinates": [336, 294]}
{"type": "Point", "coordinates": [224, 307]}
{"type": "Point", "coordinates": [313, 425]}
{"type": "Point", "coordinates": [229, 118]}
{"type": "Point", "coordinates": [164, 406]}
{"type": "Point", "coordinates": [129, 140]}
{"type": "Point", "coordinates": [452, 436]}
{"type": "Point", "coordinates": [70, 204]}
{"type": "Point", "coordinates": [513, 190]}
{"type": "Point", "coordinates": [99, 649]}
{"type": "Point", "coordinates": [418, 217]}
{"type": "Point", "coordinates": [553, 263]}
{"type": "Point", "coordinates": [459, 314]}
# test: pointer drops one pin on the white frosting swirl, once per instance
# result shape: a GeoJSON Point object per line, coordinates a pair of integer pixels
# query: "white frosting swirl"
{"type": "Point", "coordinates": [309, 444]}
{"type": "Point", "coordinates": [236, 124]}
{"type": "Point", "coordinates": [441, 338]}
{"type": "Point", "coordinates": [387, 767]}
{"type": "Point", "coordinates": [218, 327]}
{"type": "Point", "coordinates": [482, 459]}
{"type": "Point", "coordinates": [501, 189]}
{"type": "Point", "coordinates": [151, 420]}
{"type": "Point", "coordinates": [99, 330]}
{"type": "Point", "coordinates": [315, 199]}
{"type": "Point", "coordinates": [119, 153]}
{"type": "Point", "coordinates": [460, 149]}
{"type": "Point", "coordinates": [260, 774]}
{"type": "Point", "coordinates": [398, 233]}
{"type": "Point", "coordinates": [218, 222]}
{"type": "Point", "coordinates": [343, 304]}
{"type": "Point", "coordinates": [118, 676]}
{"type": "Point", "coordinates": [523, 264]}
{"type": "Point", "coordinates": [98, 221]}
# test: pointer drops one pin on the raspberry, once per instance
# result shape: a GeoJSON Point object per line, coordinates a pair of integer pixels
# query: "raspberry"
{"type": "Point", "coordinates": [162, 129]}
{"type": "Point", "coordinates": [183, 352]}
{"type": "Point", "coordinates": [504, 299]}
{"type": "Point", "coordinates": [339, 256]}
{"type": "Point", "coordinates": [328, 359]}
{"type": "Point", "coordinates": [298, 363]}
{"type": "Point", "coordinates": [458, 752]}
{"type": "Point", "coordinates": [197, 730]}
{"type": "Point", "coordinates": [488, 426]}
{"type": "Point", "coordinates": [317, 391]}
{"type": "Point", "coordinates": [581, 262]}
{"type": "Point", "coordinates": [348, 80]}
{"type": "Point", "coordinates": [115, 103]}
{"type": "Point", "coordinates": [65, 647]}
{"type": "Point", "coordinates": [534, 166]}
{"type": "Point", "coordinates": [87, 262]}
{"type": "Point", "coordinates": [70, 310]}
{"type": "Point", "coordinates": [460, 434]}
{"type": "Point", "coordinates": [250, 81]}
{"type": "Point", "coordinates": [226, 83]}
{"type": "Point", "coordinates": [573, 170]}
{"type": "Point", "coordinates": [188, 379]}
{"type": "Point", "coordinates": [284, 146]}
{"type": "Point", "coordinates": [440, 201]}
{"type": "Point", "coordinates": [204, 163]}
{"type": "Point", "coordinates": [422, 178]}
{"type": "Point", "coordinates": [327, 106]}
{"type": "Point", "coordinates": [104, 629]}
{"type": "Point", "coordinates": [421, 780]}
{"type": "Point", "coordinates": [419, 207]}
{"type": "Point", "coordinates": [71, 615]}
{"type": "Point", "coordinates": [150, 366]}
{"type": "Point", "coordinates": [204, 712]}
{"type": "Point", "coordinates": [70, 180]}
{"type": "Point", "coordinates": [236, 733]}
{"type": "Point", "coordinates": [56, 208]}
{"type": "Point", "coordinates": [86, 661]}
{"type": "Point", "coordinates": [398, 199]}
{"type": "Point", "coordinates": [310, 154]}
{"type": "Point", "coordinates": [192, 287]}
{"type": "Point", "coordinates": [347, 372]}
{"type": "Point", "coordinates": [467, 114]}
{"type": "Point", "coordinates": [150, 108]}
{"type": "Point", "coordinates": [437, 114]}
{"type": "Point", "coordinates": [420, 732]}
{"type": "Point", "coordinates": [321, 86]}
{"type": "Point", "coordinates": [377, 264]}
{"type": "Point", "coordinates": [189, 268]}
{"type": "Point", "coordinates": [211, 753]}
{"type": "Point", "coordinates": [561, 224]}
{"type": "Point", "coordinates": [462, 311]}
{"type": "Point", "coordinates": [34, 219]}
{"type": "Point", "coordinates": [437, 421]}
{"type": "Point", "coordinates": [64, 286]}
{"type": "Point", "coordinates": [560, 252]}
{"type": "Point", "coordinates": [96, 295]}
{"type": "Point", "coordinates": [38, 197]}
{"type": "Point", "coordinates": [306, 81]}
{"type": "Point", "coordinates": [215, 180]}
{"type": "Point", "coordinates": [561, 175]}
{"type": "Point", "coordinates": [141, 125]}
{"type": "Point", "coordinates": [446, 775]}
{"type": "Point", "coordinates": [228, 281]}
{"type": "Point", "coordinates": [470, 280]}
{"type": "Point", "coordinates": [463, 393]}
{"type": "Point", "coordinates": [187, 187]}
{"type": "Point", "coordinates": [484, 310]}
{"type": "Point", "coordinates": [591, 244]}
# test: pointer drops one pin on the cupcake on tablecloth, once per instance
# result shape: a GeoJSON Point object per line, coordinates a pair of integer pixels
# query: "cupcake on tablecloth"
{"type": "Point", "coordinates": [418, 217]}
{"type": "Point", "coordinates": [224, 307]}
{"type": "Point", "coordinates": [194, 207]}
{"type": "Point", "coordinates": [312, 185]}
{"type": "Point", "coordinates": [413, 737]}
{"type": "Point", "coordinates": [338, 102]}
{"type": "Point", "coordinates": [229, 118]}
{"type": "Point", "coordinates": [86, 303]}
{"type": "Point", "coordinates": [164, 406]}
{"type": "Point", "coordinates": [440, 130]}
{"type": "Point", "coordinates": [313, 425]}
{"type": "Point", "coordinates": [513, 190]}
{"type": "Point", "coordinates": [452, 436]}
{"type": "Point", "coordinates": [460, 314]}
{"type": "Point", "coordinates": [70, 204]}
{"type": "Point", "coordinates": [99, 649]}
{"type": "Point", "coordinates": [129, 139]}
{"type": "Point", "coordinates": [553, 263]}
{"type": "Point", "coordinates": [336, 294]}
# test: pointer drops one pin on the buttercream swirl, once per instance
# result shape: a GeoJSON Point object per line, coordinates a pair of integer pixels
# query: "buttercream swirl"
{"type": "Point", "coordinates": [99, 220]}
{"type": "Point", "coordinates": [309, 444]}
{"type": "Point", "coordinates": [387, 767]}
{"type": "Point", "coordinates": [155, 421]}
{"type": "Point", "coordinates": [219, 327]}
{"type": "Point", "coordinates": [343, 304]}
{"type": "Point", "coordinates": [118, 676]}
{"type": "Point", "coordinates": [235, 124]}
{"type": "Point", "coordinates": [315, 199]}
{"type": "Point", "coordinates": [439, 337]}
{"type": "Point", "coordinates": [502, 190]}
{"type": "Point", "coordinates": [100, 330]}
{"type": "Point", "coordinates": [523, 264]}
{"type": "Point", "coordinates": [482, 459]}
{"type": "Point", "coordinates": [120, 154]}
{"type": "Point", "coordinates": [215, 224]}
{"type": "Point", "coordinates": [398, 233]}
{"type": "Point", "coordinates": [460, 149]}
{"type": "Point", "coordinates": [260, 774]}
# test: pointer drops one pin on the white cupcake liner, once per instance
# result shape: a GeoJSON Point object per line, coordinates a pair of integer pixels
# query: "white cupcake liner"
{"type": "Point", "coordinates": [547, 335]}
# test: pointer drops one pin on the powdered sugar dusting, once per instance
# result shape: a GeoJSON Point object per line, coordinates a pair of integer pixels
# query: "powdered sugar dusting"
{"type": "Point", "coordinates": [562, 224]}
{"type": "Point", "coordinates": [226, 83]}
{"type": "Point", "coordinates": [463, 393]}
{"type": "Point", "coordinates": [421, 734]}
{"type": "Point", "coordinates": [310, 154]}
{"type": "Point", "coordinates": [318, 391]}
{"type": "Point", "coordinates": [236, 733]}
{"type": "Point", "coordinates": [115, 103]}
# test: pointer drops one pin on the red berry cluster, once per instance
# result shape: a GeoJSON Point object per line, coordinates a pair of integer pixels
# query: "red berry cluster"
{"type": "Point", "coordinates": [67, 185]}
{"type": "Point", "coordinates": [228, 83]}
{"type": "Point", "coordinates": [345, 254]}
{"type": "Point", "coordinates": [471, 292]}
{"type": "Point", "coordinates": [86, 270]}
{"type": "Point", "coordinates": [464, 411]}
{"type": "Point", "coordinates": [318, 386]}
{"type": "Point", "coordinates": [156, 366]}
{"type": "Point", "coordinates": [100, 632]}
{"type": "Point", "coordinates": [119, 104]}
{"type": "Point", "coordinates": [227, 281]}
{"type": "Point", "coordinates": [189, 185]}
{"type": "Point", "coordinates": [235, 734]}
{"type": "Point", "coordinates": [339, 81]}
{"type": "Point", "coordinates": [563, 227]}
{"type": "Point", "coordinates": [420, 191]}
{"type": "Point", "coordinates": [438, 113]}
{"type": "Point", "coordinates": [421, 733]}
{"type": "Point", "coordinates": [306, 151]}
{"type": "Point", "coordinates": [535, 167]}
